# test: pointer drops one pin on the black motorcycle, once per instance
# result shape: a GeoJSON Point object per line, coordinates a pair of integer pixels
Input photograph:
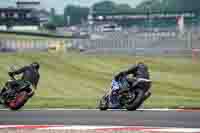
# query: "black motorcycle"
{"type": "Point", "coordinates": [130, 96]}
{"type": "Point", "coordinates": [15, 97]}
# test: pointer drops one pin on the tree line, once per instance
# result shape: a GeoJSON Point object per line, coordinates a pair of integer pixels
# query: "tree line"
{"type": "Point", "coordinates": [74, 14]}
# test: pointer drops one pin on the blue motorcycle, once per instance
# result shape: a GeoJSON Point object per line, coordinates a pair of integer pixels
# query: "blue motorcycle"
{"type": "Point", "coordinates": [130, 94]}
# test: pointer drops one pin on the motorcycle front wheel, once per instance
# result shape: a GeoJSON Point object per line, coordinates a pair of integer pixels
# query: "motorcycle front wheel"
{"type": "Point", "coordinates": [104, 103]}
{"type": "Point", "coordinates": [19, 101]}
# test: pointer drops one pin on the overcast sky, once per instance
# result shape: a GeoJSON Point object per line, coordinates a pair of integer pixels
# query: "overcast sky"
{"type": "Point", "coordinates": [60, 4]}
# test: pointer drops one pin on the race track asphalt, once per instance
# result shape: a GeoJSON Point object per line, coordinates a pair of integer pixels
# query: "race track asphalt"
{"type": "Point", "coordinates": [101, 118]}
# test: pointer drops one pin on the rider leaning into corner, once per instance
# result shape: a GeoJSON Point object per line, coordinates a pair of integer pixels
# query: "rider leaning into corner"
{"type": "Point", "coordinates": [29, 73]}
{"type": "Point", "coordinates": [138, 71]}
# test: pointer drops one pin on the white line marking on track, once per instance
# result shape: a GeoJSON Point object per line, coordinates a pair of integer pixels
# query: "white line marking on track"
{"type": "Point", "coordinates": [64, 109]}
{"type": "Point", "coordinates": [182, 130]}
{"type": "Point", "coordinates": [125, 128]}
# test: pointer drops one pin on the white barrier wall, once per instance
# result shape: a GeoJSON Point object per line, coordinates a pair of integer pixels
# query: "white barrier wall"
{"type": "Point", "coordinates": [3, 27]}
{"type": "Point", "coordinates": [24, 28]}
{"type": "Point", "coordinates": [11, 44]}
{"type": "Point", "coordinates": [21, 28]}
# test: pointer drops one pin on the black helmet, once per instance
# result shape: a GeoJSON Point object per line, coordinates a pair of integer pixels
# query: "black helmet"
{"type": "Point", "coordinates": [36, 65]}
{"type": "Point", "coordinates": [140, 63]}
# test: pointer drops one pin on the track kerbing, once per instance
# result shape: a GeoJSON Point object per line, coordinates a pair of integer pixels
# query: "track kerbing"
{"type": "Point", "coordinates": [103, 128]}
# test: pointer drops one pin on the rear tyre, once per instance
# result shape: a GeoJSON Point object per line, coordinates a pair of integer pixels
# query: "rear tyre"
{"type": "Point", "coordinates": [104, 103]}
{"type": "Point", "coordinates": [137, 101]}
{"type": "Point", "coordinates": [19, 101]}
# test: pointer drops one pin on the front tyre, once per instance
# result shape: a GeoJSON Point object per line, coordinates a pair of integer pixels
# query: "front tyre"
{"type": "Point", "coordinates": [138, 100]}
{"type": "Point", "coordinates": [104, 103]}
{"type": "Point", "coordinates": [19, 101]}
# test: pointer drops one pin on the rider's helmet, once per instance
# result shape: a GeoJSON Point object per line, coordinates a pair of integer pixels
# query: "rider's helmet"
{"type": "Point", "coordinates": [140, 63]}
{"type": "Point", "coordinates": [36, 65]}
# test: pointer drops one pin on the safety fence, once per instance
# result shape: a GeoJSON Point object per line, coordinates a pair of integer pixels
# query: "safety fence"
{"type": "Point", "coordinates": [11, 44]}
{"type": "Point", "coordinates": [139, 43]}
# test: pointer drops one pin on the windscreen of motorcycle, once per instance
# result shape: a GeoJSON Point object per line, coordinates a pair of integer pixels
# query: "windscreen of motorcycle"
{"type": "Point", "coordinates": [114, 85]}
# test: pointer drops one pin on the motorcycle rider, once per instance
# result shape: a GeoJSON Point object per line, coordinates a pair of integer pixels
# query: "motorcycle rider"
{"type": "Point", "coordinates": [30, 74]}
{"type": "Point", "coordinates": [138, 71]}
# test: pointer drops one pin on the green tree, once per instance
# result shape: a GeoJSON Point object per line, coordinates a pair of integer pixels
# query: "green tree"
{"type": "Point", "coordinates": [170, 5]}
{"type": "Point", "coordinates": [124, 8]}
{"type": "Point", "coordinates": [75, 14]}
{"type": "Point", "coordinates": [59, 20]}
{"type": "Point", "coordinates": [52, 15]}
{"type": "Point", "coordinates": [55, 19]}
{"type": "Point", "coordinates": [50, 27]}
{"type": "Point", "coordinates": [105, 6]}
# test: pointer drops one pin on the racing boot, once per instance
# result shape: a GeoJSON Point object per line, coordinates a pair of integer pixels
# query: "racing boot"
{"type": "Point", "coordinates": [147, 95]}
{"type": "Point", "coordinates": [30, 94]}
{"type": "Point", "coordinates": [2, 94]}
{"type": "Point", "coordinates": [1, 100]}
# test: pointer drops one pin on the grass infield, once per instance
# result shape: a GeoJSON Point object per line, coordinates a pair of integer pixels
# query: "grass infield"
{"type": "Point", "coordinates": [77, 81]}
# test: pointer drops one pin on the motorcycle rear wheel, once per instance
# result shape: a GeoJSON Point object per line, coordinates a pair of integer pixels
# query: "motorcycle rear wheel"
{"type": "Point", "coordinates": [138, 100]}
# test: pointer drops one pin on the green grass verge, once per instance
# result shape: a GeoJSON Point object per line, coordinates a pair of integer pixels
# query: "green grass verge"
{"type": "Point", "coordinates": [27, 37]}
{"type": "Point", "coordinates": [78, 81]}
